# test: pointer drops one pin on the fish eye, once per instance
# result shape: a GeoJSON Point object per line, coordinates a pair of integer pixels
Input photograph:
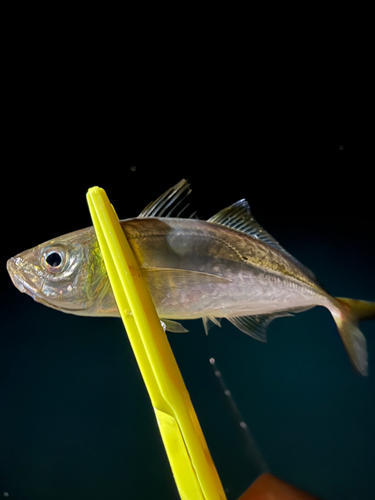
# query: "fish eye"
{"type": "Point", "coordinates": [53, 259]}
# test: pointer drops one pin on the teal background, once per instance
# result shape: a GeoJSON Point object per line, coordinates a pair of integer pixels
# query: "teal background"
{"type": "Point", "coordinates": [76, 422]}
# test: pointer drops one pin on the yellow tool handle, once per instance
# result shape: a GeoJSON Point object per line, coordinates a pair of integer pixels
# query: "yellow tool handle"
{"type": "Point", "coordinates": [192, 466]}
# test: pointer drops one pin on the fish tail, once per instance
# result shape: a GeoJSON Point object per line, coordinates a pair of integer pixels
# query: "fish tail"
{"type": "Point", "coordinates": [347, 315]}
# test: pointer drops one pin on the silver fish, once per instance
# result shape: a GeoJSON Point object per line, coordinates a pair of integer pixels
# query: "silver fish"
{"type": "Point", "coordinates": [225, 267]}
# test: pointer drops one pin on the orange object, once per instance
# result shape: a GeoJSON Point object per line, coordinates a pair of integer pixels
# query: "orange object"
{"type": "Point", "coordinates": [268, 487]}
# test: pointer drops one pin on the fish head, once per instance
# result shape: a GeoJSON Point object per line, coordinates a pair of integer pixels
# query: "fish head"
{"type": "Point", "coordinates": [66, 273]}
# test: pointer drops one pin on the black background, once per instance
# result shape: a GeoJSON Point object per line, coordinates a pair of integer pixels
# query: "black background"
{"type": "Point", "coordinates": [76, 421]}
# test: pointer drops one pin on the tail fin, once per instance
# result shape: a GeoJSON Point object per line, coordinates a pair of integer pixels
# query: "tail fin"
{"type": "Point", "coordinates": [349, 313]}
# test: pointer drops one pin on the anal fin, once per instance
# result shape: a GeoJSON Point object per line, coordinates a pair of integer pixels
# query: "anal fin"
{"type": "Point", "coordinates": [208, 321]}
{"type": "Point", "coordinates": [256, 326]}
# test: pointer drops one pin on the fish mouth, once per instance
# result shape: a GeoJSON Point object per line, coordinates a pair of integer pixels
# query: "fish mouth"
{"type": "Point", "coordinates": [16, 280]}
{"type": "Point", "coordinates": [34, 289]}
{"type": "Point", "coordinates": [21, 284]}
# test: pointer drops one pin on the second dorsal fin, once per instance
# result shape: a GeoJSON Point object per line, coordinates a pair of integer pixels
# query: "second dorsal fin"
{"type": "Point", "coordinates": [238, 216]}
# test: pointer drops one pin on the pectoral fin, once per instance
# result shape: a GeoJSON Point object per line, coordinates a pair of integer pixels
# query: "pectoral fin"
{"type": "Point", "coordinates": [161, 280]}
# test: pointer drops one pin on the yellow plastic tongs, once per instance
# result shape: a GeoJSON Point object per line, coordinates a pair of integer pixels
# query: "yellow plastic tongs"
{"type": "Point", "coordinates": [192, 466]}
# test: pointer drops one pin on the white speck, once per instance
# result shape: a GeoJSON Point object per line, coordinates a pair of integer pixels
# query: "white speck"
{"type": "Point", "coordinates": [5, 494]}
{"type": "Point", "coordinates": [243, 425]}
{"type": "Point", "coordinates": [341, 147]}
{"type": "Point", "coordinates": [217, 373]}
{"type": "Point", "coordinates": [133, 168]}
{"type": "Point", "coordinates": [69, 288]}
{"type": "Point", "coordinates": [212, 361]}
{"type": "Point", "coordinates": [226, 392]}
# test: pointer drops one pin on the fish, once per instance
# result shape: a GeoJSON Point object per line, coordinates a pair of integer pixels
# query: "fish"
{"type": "Point", "coordinates": [225, 267]}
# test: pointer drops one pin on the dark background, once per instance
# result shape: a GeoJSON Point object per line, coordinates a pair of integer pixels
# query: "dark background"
{"type": "Point", "coordinates": [75, 421]}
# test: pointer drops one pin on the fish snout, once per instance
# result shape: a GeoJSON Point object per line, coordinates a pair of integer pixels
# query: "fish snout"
{"type": "Point", "coordinates": [19, 275]}
{"type": "Point", "coordinates": [12, 271]}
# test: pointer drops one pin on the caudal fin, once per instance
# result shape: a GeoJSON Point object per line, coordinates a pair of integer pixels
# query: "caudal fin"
{"type": "Point", "coordinates": [346, 317]}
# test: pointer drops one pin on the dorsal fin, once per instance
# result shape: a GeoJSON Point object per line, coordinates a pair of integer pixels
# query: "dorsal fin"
{"type": "Point", "coordinates": [238, 216]}
{"type": "Point", "coordinates": [169, 203]}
